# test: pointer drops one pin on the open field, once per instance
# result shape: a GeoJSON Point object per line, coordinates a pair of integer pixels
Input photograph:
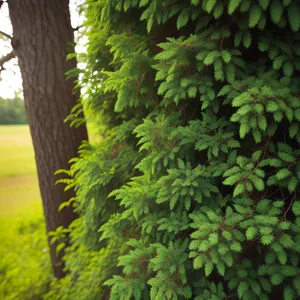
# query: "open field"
{"type": "Point", "coordinates": [18, 179]}
{"type": "Point", "coordinates": [24, 263]}
{"type": "Point", "coordinates": [25, 269]}
{"type": "Point", "coordinates": [16, 151]}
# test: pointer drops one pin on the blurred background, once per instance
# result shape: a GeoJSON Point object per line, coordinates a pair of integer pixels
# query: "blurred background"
{"type": "Point", "coordinates": [24, 259]}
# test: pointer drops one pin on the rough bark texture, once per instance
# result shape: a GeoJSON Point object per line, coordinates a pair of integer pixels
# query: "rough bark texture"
{"type": "Point", "coordinates": [43, 35]}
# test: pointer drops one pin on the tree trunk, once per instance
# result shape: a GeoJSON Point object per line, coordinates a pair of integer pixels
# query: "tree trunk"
{"type": "Point", "coordinates": [42, 37]}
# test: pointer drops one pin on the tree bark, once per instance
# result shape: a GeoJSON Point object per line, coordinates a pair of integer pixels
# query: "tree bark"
{"type": "Point", "coordinates": [43, 33]}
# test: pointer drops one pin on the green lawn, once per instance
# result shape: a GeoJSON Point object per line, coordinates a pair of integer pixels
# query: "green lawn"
{"type": "Point", "coordinates": [24, 259]}
{"type": "Point", "coordinates": [18, 178]}
{"type": "Point", "coordinates": [24, 264]}
{"type": "Point", "coordinates": [16, 151]}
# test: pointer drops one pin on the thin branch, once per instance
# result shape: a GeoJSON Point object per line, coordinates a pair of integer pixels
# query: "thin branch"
{"type": "Point", "coordinates": [77, 28]}
{"type": "Point", "coordinates": [6, 58]}
{"type": "Point", "coordinates": [292, 201]}
{"type": "Point", "coordinates": [231, 296]}
{"type": "Point", "coordinates": [6, 35]}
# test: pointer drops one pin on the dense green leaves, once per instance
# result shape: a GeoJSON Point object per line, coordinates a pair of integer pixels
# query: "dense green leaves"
{"type": "Point", "coordinates": [195, 184]}
{"type": "Point", "coordinates": [12, 111]}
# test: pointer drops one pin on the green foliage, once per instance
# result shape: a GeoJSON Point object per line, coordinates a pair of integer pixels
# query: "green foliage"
{"type": "Point", "coordinates": [193, 193]}
{"type": "Point", "coordinates": [12, 111]}
{"type": "Point", "coordinates": [25, 270]}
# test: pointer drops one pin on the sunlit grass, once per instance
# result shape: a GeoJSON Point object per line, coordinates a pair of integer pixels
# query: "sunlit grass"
{"type": "Point", "coordinates": [17, 193]}
{"type": "Point", "coordinates": [18, 179]}
{"type": "Point", "coordinates": [25, 262]}
{"type": "Point", "coordinates": [16, 152]}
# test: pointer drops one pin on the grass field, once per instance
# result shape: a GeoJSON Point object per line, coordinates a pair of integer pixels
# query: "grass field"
{"type": "Point", "coordinates": [24, 259]}
{"type": "Point", "coordinates": [18, 179]}
{"type": "Point", "coordinates": [25, 271]}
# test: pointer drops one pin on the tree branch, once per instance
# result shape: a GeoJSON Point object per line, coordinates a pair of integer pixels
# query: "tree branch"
{"type": "Point", "coordinates": [6, 58]}
{"type": "Point", "coordinates": [77, 28]}
{"type": "Point", "coordinates": [6, 35]}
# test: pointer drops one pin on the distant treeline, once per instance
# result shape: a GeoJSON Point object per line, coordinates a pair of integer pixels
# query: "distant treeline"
{"type": "Point", "coordinates": [12, 111]}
